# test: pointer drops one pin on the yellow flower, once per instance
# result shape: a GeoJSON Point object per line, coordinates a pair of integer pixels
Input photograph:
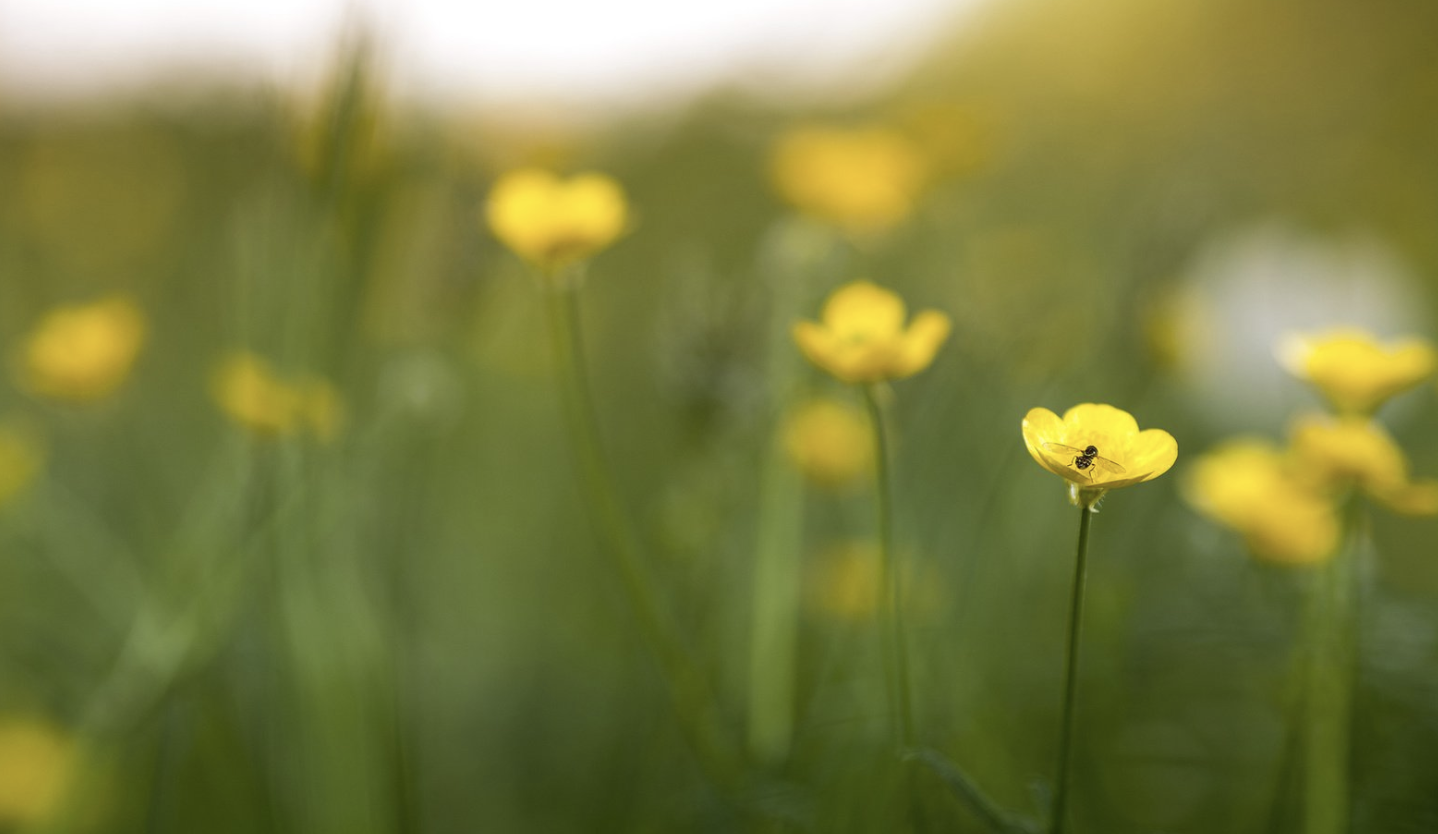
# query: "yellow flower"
{"type": "Point", "coordinates": [83, 352]}
{"type": "Point", "coordinates": [863, 180]}
{"type": "Point", "coordinates": [254, 397]}
{"type": "Point", "coordinates": [35, 763]}
{"type": "Point", "coordinates": [553, 223]}
{"type": "Point", "coordinates": [1354, 450]}
{"type": "Point", "coordinates": [845, 581]}
{"type": "Point", "coordinates": [1354, 371]}
{"type": "Point", "coordinates": [20, 459]}
{"type": "Point", "coordinates": [1097, 448]}
{"type": "Point", "coordinates": [862, 337]}
{"type": "Point", "coordinates": [1249, 486]}
{"type": "Point", "coordinates": [829, 442]}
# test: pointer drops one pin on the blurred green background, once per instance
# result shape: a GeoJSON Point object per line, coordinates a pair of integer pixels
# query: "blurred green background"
{"type": "Point", "coordinates": [409, 627]}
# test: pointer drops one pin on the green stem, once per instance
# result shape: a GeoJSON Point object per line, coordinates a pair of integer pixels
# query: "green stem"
{"type": "Point", "coordinates": [896, 661]}
{"type": "Point", "coordinates": [688, 689]}
{"type": "Point", "coordinates": [1059, 821]}
{"type": "Point", "coordinates": [1331, 633]}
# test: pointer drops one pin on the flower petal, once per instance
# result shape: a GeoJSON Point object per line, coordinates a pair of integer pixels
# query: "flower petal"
{"type": "Point", "coordinates": [1153, 452]}
{"type": "Point", "coordinates": [862, 310]}
{"type": "Point", "coordinates": [1042, 426]}
{"type": "Point", "coordinates": [817, 343]}
{"type": "Point", "coordinates": [919, 345]}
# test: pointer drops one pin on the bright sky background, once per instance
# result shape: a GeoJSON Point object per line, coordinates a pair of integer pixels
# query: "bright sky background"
{"type": "Point", "coordinates": [623, 49]}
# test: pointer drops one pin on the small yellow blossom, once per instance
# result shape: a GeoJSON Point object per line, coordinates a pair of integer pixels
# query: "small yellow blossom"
{"type": "Point", "coordinates": [829, 441]}
{"type": "Point", "coordinates": [1353, 370]}
{"type": "Point", "coordinates": [1097, 448]}
{"type": "Point", "coordinates": [1353, 450]}
{"type": "Point", "coordinates": [845, 581]}
{"type": "Point", "coordinates": [83, 352]}
{"type": "Point", "coordinates": [551, 222]}
{"type": "Point", "coordinates": [862, 337]}
{"type": "Point", "coordinates": [1250, 486]}
{"type": "Point", "coordinates": [863, 180]}
{"type": "Point", "coordinates": [254, 397]}
{"type": "Point", "coordinates": [20, 459]}
{"type": "Point", "coordinates": [35, 764]}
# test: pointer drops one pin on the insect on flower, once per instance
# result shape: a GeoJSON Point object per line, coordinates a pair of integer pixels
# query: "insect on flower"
{"type": "Point", "coordinates": [1086, 458]}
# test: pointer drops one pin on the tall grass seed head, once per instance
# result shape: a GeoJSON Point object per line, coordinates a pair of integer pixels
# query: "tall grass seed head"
{"type": "Point", "coordinates": [84, 352]}
{"type": "Point", "coordinates": [1096, 448]}
{"type": "Point", "coordinates": [552, 222]}
{"type": "Point", "coordinates": [863, 180]}
{"type": "Point", "coordinates": [1250, 487]}
{"type": "Point", "coordinates": [861, 336]}
{"type": "Point", "coordinates": [1353, 370]}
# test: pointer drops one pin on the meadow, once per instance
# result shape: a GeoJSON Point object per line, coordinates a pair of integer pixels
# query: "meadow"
{"type": "Point", "coordinates": [348, 486]}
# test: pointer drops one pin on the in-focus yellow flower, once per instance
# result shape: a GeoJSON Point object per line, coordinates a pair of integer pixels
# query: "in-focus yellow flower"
{"type": "Point", "coordinates": [1097, 448]}
{"type": "Point", "coordinates": [864, 180]}
{"type": "Point", "coordinates": [254, 397]}
{"type": "Point", "coordinates": [1336, 452]}
{"type": "Point", "coordinates": [35, 764]}
{"type": "Point", "coordinates": [551, 222]}
{"type": "Point", "coordinates": [1249, 486]}
{"type": "Point", "coordinates": [20, 459]}
{"type": "Point", "coordinates": [862, 338]}
{"type": "Point", "coordinates": [1353, 370]}
{"type": "Point", "coordinates": [83, 352]}
{"type": "Point", "coordinates": [829, 442]}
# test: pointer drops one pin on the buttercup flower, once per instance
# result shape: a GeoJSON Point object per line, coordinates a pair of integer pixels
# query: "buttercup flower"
{"type": "Point", "coordinates": [551, 222]}
{"type": "Point", "coordinates": [862, 338]}
{"type": "Point", "coordinates": [83, 352]}
{"type": "Point", "coordinates": [254, 397]}
{"type": "Point", "coordinates": [828, 441]}
{"type": "Point", "coordinates": [863, 180]}
{"type": "Point", "coordinates": [1097, 448]}
{"type": "Point", "coordinates": [1353, 450]}
{"type": "Point", "coordinates": [845, 581]}
{"type": "Point", "coordinates": [1354, 371]}
{"type": "Point", "coordinates": [1250, 486]}
{"type": "Point", "coordinates": [35, 764]}
{"type": "Point", "coordinates": [20, 458]}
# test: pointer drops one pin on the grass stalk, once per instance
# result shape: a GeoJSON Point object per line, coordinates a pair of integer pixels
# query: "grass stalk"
{"type": "Point", "coordinates": [689, 690]}
{"type": "Point", "coordinates": [896, 660]}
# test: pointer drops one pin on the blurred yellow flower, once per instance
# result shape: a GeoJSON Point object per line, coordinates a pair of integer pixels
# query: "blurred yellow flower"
{"type": "Point", "coordinates": [829, 442]}
{"type": "Point", "coordinates": [862, 337]}
{"type": "Point", "coordinates": [1353, 370]}
{"type": "Point", "coordinates": [845, 581]}
{"type": "Point", "coordinates": [1249, 486]}
{"type": "Point", "coordinates": [254, 397]}
{"type": "Point", "coordinates": [35, 763]}
{"type": "Point", "coordinates": [551, 222]}
{"type": "Point", "coordinates": [864, 180]}
{"type": "Point", "coordinates": [20, 459]}
{"type": "Point", "coordinates": [83, 352]}
{"type": "Point", "coordinates": [1097, 448]}
{"type": "Point", "coordinates": [1335, 452]}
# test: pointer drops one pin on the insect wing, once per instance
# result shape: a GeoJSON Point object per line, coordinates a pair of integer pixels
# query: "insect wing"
{"type": "Point", "coordinates": [1064, 450]}
{"type": "Point", "coordinates": [1107, 465]}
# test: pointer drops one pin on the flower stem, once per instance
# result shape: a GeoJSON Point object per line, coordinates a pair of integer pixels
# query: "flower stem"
{"type": "Point", "coordinates": [896, 660]}
{"type": "Point", "coordinates": [689, 691]}
{"type": "Point", "coordinates": [1059, 818]}
{"type": "Point", "coordinates": [1331, 634]}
